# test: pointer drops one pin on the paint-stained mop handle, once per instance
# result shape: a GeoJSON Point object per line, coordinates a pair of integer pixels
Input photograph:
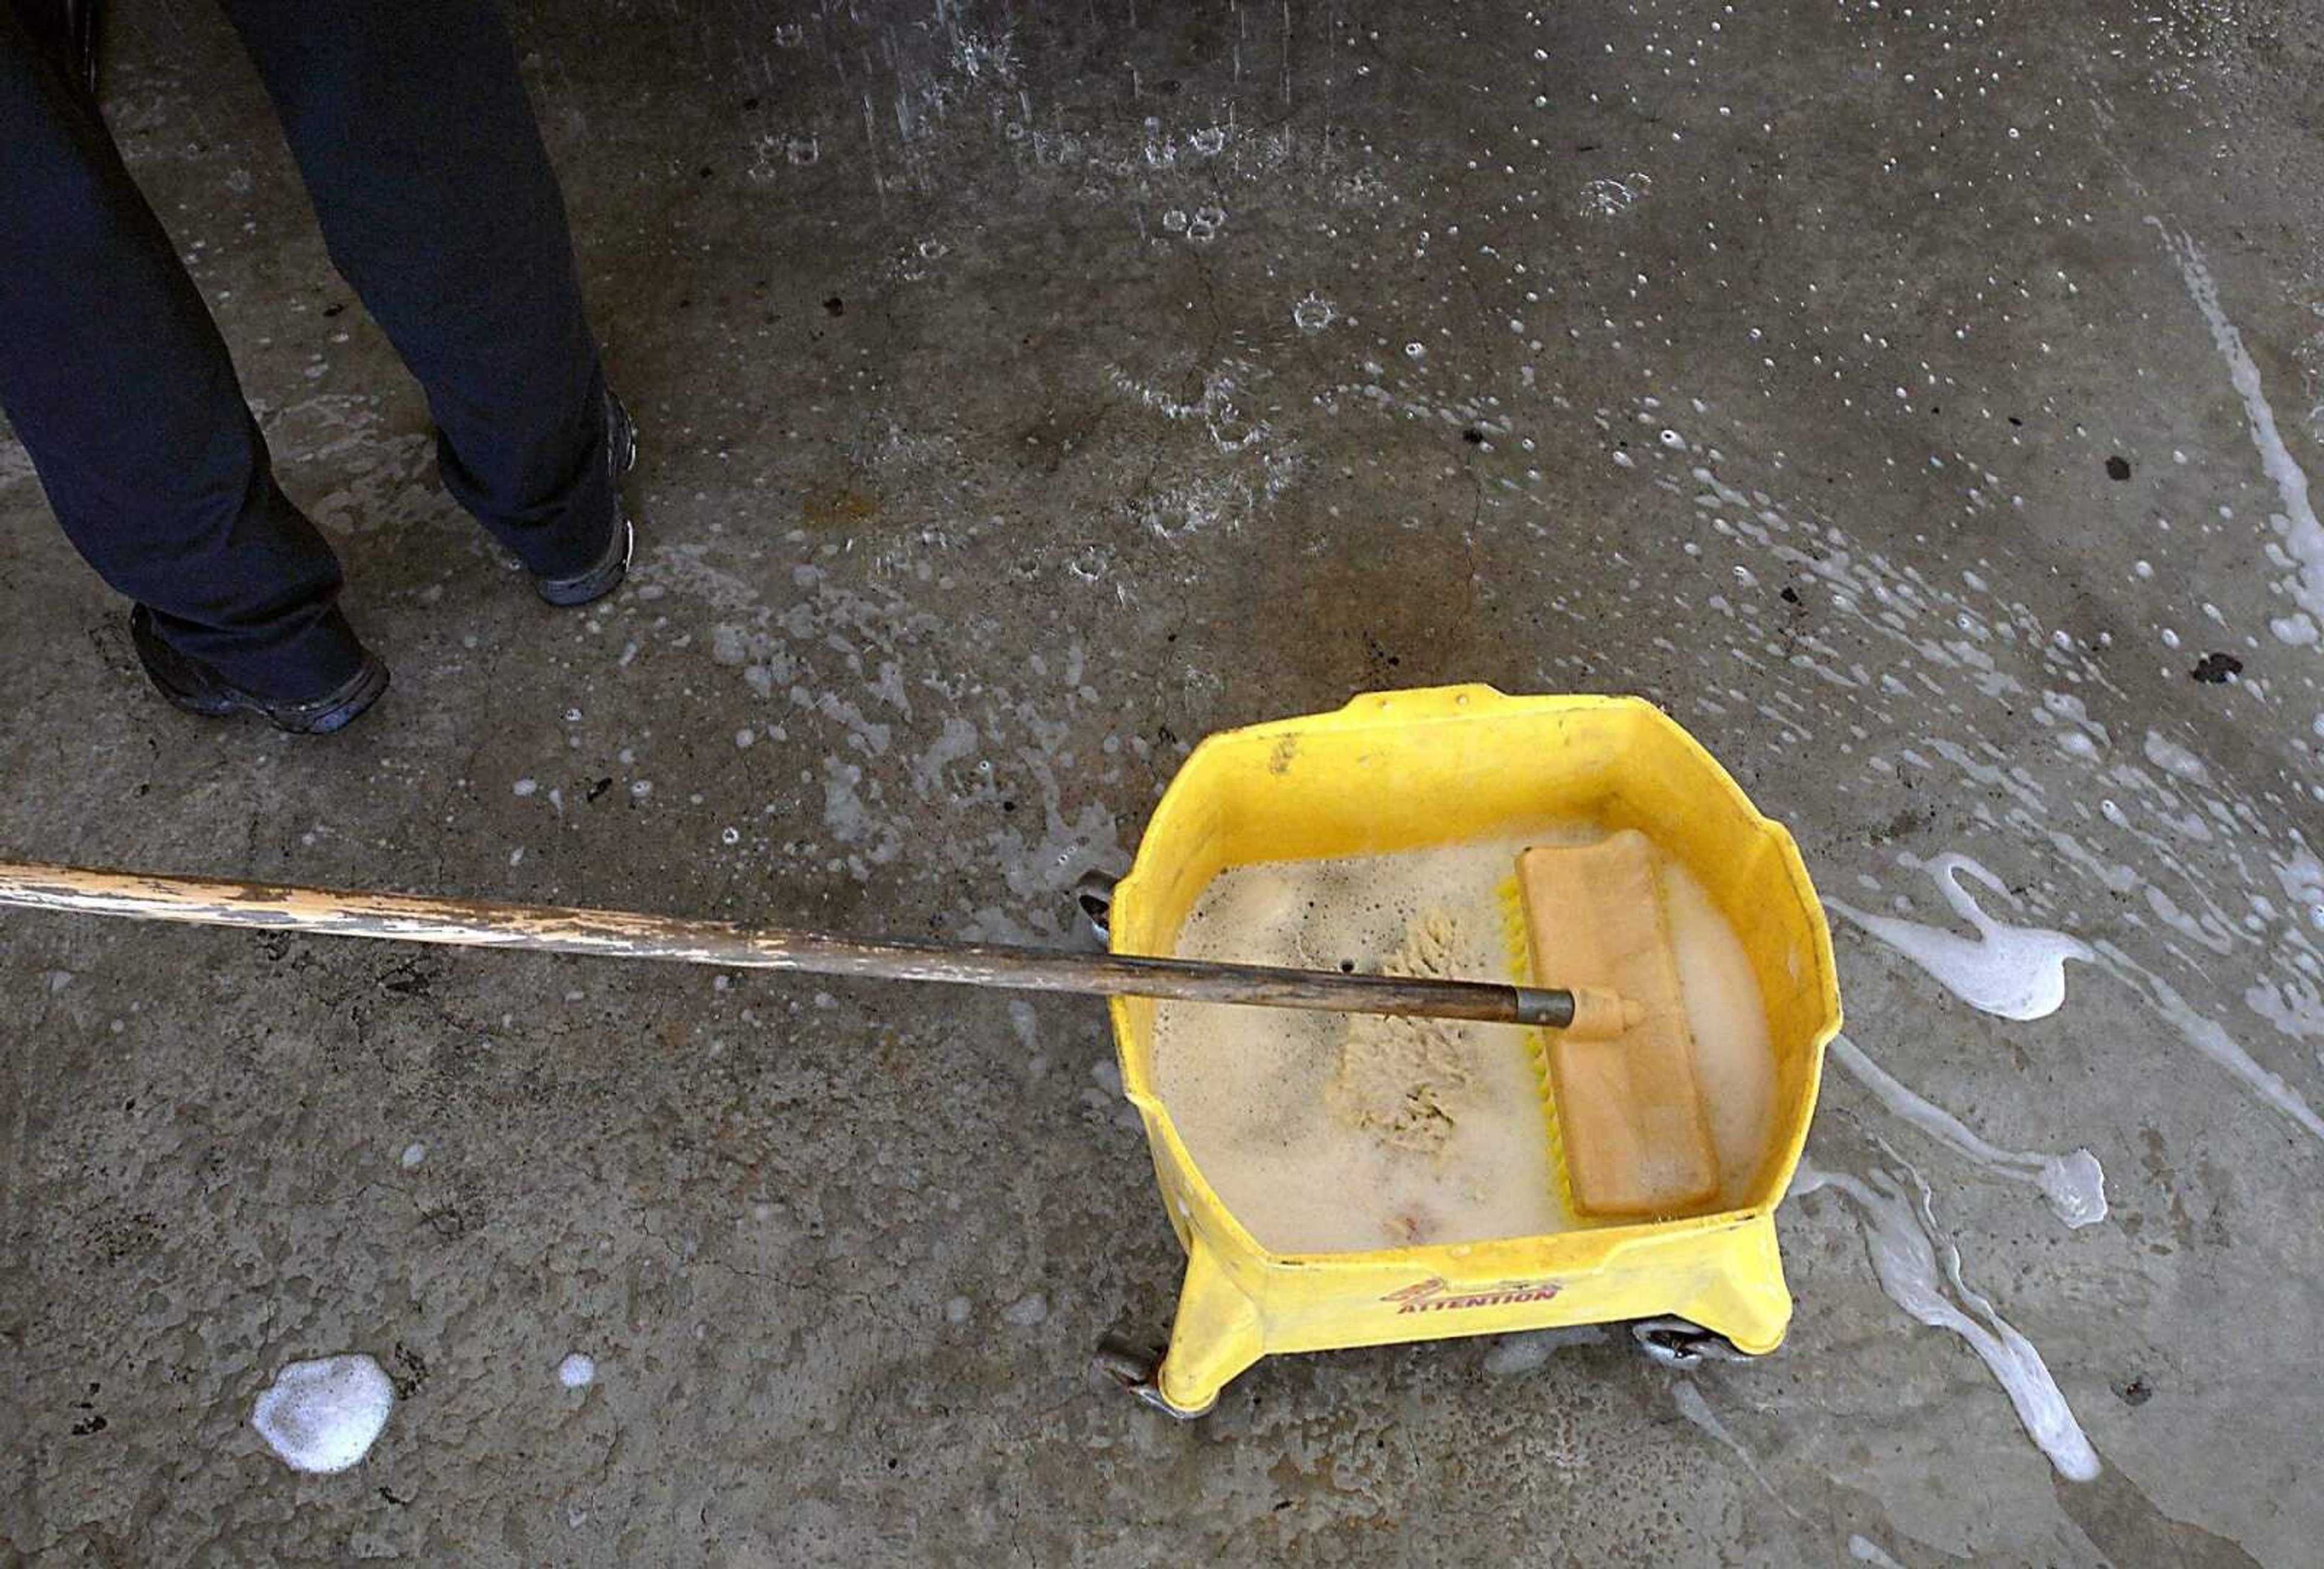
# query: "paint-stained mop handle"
{"type": "Point", "coordinates": [615, 934]}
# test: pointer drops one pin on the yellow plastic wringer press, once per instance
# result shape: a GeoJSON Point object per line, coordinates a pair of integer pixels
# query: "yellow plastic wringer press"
{"type": "Point", "coordinates": [1398, 771]}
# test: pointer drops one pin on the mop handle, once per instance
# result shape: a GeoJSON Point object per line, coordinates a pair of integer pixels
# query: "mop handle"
{"type": "Point", "coordinates": [615, 934]}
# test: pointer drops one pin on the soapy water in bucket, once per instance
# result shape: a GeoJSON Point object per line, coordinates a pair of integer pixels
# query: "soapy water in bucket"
{"type": "Point", "coordinates": [1325, 1133]}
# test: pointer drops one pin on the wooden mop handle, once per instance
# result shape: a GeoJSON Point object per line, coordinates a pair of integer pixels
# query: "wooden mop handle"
{"type": "Point", "coordinates": [466, 923]}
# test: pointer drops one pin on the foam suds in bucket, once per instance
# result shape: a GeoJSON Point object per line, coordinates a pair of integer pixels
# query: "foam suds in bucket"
{"type": "Point", "coordinates": [1328, 1133]}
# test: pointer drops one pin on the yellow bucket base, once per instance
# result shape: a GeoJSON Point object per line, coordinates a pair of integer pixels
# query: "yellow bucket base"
{"type": "Point", "coordinates": [1399, 770]}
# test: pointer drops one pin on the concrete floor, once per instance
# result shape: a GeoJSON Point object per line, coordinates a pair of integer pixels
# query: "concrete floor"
{"type": "Point", "coordinates": [1028, 391]}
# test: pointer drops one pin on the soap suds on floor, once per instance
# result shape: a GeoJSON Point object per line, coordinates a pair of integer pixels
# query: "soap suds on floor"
{"type": "Point", "coordinates": [2174, 759]}
{"type": "Point", "coordinates": [2074, 1184]}
{"type": "Point", "coordinates": [2297, 530]}
{"type": "Point", "coordinates": [1695, 1408]}
{"type": "Point", "coordinates": [1865, 1550]}
{"type": "Point", "coordinates": [1904, 1244]}
{"type": "Point", "coordinates": [324, 1416]}
{"type": "Point", "coordinates": [1527, 1350]}
{"type": "Point", "coordinates": [2011, 972]}
{"type": "Point", "coordinates": [2210, 1039]}
{"type": "Point", "coordinates": [2019, 972]}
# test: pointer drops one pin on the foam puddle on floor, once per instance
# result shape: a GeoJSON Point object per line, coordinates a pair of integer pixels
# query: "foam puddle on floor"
{"type": "Point", "coordinates": [324, 1416]}
{"type": "Point", "coordinates": [2074, 1184]}
{"type": "Point", "coordinates": [2019, 972]}
{"type": "Point", "coordinates": [1906, 1246]}
{"type": "Point", "coordinates": [1328, 1133]}
{"type": "Point", "coordinates": [2013, 972]}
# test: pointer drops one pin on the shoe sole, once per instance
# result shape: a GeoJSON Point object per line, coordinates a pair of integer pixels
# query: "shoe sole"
{"type": "Point", "coordinates": [319, 718]}
{"type": "Point", "coordinates": [568, 593]}
{"type": "Point", "coordinates": [590, 586]}
{"type": "Point", "coordinates": [349, 709]}
{"type": "Point", "coordinates": [338, 716]}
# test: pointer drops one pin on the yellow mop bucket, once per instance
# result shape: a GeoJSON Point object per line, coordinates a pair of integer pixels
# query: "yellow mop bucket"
{"type": "Point", "coordinates": [1401, 771]}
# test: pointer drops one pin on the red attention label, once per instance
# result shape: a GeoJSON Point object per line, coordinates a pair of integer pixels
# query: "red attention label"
{"type": "Point", "coordinates": [1433, 1295]}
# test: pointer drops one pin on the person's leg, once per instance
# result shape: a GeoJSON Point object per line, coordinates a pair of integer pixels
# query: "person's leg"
{"type": "Point", "coordinates": [119, 386]}
{"type": "Point", "coordinates": [69, 29]}
{"type": "Point", "coordinates": [412, 130]}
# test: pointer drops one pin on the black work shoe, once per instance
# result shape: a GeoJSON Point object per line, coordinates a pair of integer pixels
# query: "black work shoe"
{"type": "Point", "coordinates": [197, 688]}
{"type": "Point", "coordinates": [597, 581]}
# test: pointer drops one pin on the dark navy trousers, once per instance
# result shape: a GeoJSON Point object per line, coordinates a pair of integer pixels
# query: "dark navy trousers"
{"type": "Point", "coordinates": [411, 131]}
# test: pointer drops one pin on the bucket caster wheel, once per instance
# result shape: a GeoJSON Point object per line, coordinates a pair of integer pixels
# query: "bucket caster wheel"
{"type": "Point", "coordinates": [1134, 1368]}
{"type": "Point", "coordinates": [1094, 902]}
{"type": "Point", "coordinates": [1674, 1342]}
